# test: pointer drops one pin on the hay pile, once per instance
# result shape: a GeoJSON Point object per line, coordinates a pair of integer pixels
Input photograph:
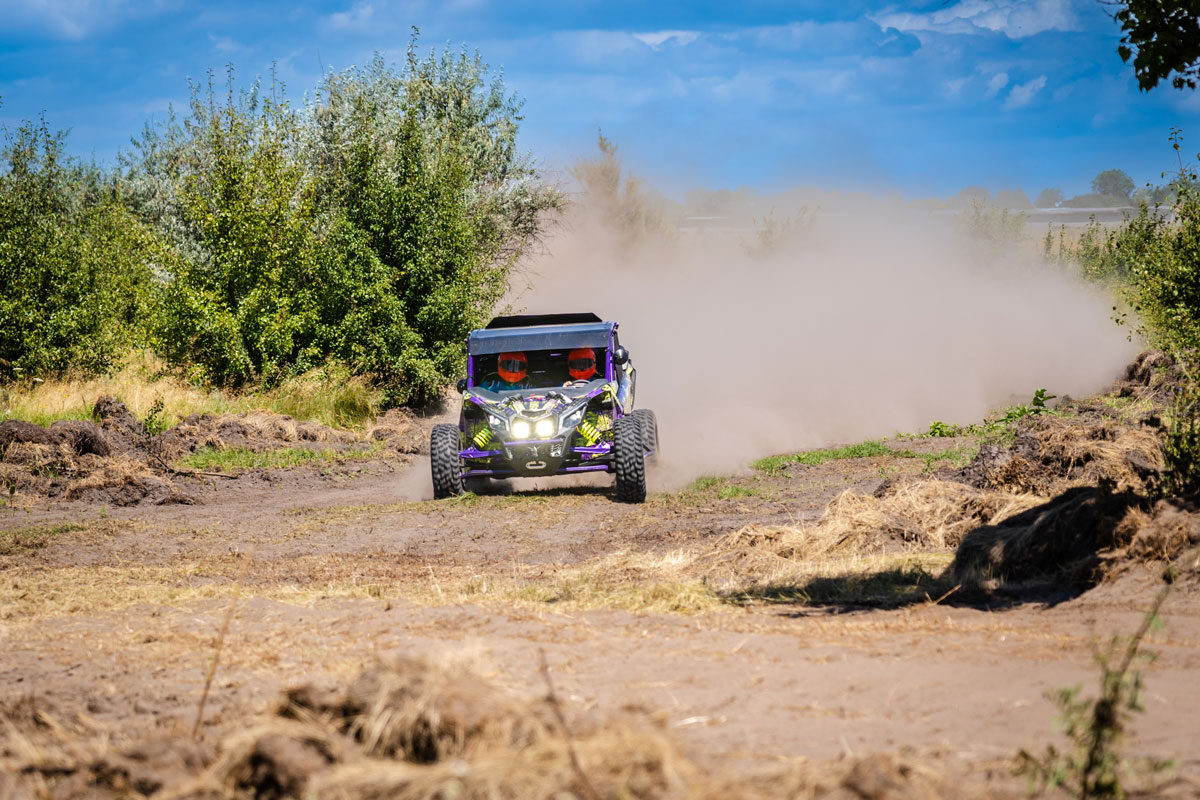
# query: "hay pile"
{"type": "Point", "coordinates": [1078, 539]}
{"type": "Point", "coordinates": [911, 515]}
{"type": "Point", "coordinates": [1052, 454]}
{"type": "Point", "coordinates": [410, 729]}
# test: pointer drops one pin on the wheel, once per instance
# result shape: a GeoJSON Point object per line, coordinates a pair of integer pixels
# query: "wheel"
{"type": "Point", "coordinates": [649, 425]}
{"type": "Point", "coordinates": [629, 460]}
{"type": "Point", "coordinates": [444, 462]}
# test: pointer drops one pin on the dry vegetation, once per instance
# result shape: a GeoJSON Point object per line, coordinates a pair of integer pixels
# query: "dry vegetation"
{"type": "Point", "coordinates": [416, 728]}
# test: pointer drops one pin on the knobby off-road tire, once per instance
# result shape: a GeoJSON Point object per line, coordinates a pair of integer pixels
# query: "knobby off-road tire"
{"type": "Point", "coordinates": [444, 462]}
{"type": "Point", "coordinates": [629, 460]}
{"type": "Point", "coordinates": [649, 424]}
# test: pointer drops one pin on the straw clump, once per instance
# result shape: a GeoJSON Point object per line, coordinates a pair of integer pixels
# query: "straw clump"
{"type": "Point", "coordinates": [905, 516]}
{"type": "Point", "coordinates": [1052, 454]}
{"type": "Point", "coordinates": [413, 729]}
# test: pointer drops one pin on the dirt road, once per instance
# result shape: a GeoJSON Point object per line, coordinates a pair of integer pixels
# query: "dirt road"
{"type": "Point", "coordinates": [112, 616]}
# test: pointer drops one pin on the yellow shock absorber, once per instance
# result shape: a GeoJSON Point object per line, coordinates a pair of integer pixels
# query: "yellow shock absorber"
{"type": "Point", "coordinates": [587, 432]}
{"type": "Point", "coordinates": [482, 437]}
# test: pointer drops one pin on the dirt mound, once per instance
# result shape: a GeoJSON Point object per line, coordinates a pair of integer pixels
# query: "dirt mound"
{"type": "Point", "coordinates": [916, 514]}
{"type": "Point", "coordinates": [111, 458]}
{"type": "Point", "coordinates": [1051, 454]}
{"type": "Point", "coordinates": [1081, 537]}
{"type": "Point", "coordinates": [415, 729]}
{"type": "Point", "coordinates": [1153, 375]}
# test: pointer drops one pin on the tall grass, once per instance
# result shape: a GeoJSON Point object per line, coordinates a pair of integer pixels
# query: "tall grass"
{"type": "Point", "coordinates": [329, 395]}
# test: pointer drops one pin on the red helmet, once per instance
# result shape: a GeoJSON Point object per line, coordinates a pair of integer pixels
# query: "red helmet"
{"type": "Point", "coordinates": [512, 366]}
{"type": "Point", "coordinates": [581, 363]}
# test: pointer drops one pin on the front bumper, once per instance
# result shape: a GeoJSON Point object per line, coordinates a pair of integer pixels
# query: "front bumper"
{"type": "Point", "coordinates": [534, 457]}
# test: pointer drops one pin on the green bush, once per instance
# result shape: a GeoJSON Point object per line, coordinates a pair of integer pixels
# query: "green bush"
{"type": "Point", "coordinates": [375, 227]}
{"type": "Point", "coordinates": [74, 262]}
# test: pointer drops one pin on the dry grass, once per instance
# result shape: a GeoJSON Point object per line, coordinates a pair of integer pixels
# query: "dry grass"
{"type": "Point", "coordinates": [858, 535]}
{"type": "Point", "coordinates": [143, 381]}
{"type": "Point", "coordinates": [417, 729]}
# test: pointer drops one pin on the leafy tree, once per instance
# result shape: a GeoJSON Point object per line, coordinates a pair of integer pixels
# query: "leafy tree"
{"type": "Point", "coordinates": [1113, 183]}
{"type": "Point", "coordinates": [1161, 36]}
{"type": "Point", "coordinates": [1049, 198]}
{"type": "Point", "coordinates": [74, 263]}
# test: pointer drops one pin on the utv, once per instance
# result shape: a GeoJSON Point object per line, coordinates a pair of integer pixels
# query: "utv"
{"type": "Point", "coordinates": [548, 394]}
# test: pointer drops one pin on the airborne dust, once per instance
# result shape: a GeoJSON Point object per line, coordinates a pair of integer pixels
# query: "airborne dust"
{"type": "Point", "coordinates": [863, 321]}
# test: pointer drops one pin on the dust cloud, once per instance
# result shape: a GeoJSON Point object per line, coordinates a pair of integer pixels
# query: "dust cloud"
{"type": "Point", "coordinates": [859, 324]}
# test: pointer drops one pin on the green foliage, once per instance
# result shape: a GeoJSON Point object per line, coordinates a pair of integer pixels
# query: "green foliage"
{"type": "Point", "coordinates": [939, 429]}
{"type": "Point", "coordinates": [156, 420]}
{"type": "Point", "coordinates": [1113, 183]}
{"type": "Point", "coordinates": [1104, 255]}
{"type": "Point", "coordinates": [375, 227]}
{"type": "Point", "coordinates": [1181, 440]}
{"type": "Point", "coordinates": [772, 464]}
{"type": "Point", "coordinates": [1165, 279]}
{"type": "Point", "coordinates": [74, 263]}
{"type": "Point", "coordinates": [1162, 36]}
{"type": "Point", "coordinates": [1093, 766]}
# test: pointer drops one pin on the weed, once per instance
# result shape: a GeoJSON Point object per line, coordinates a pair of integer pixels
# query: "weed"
{"type": "Point", "coordinates": [156, 420]}
{"type": "Point", "coordinates": [704, 482]}
{"type": "Point", "coordinates": [729, 492]}
{"type": "Point", "coordinates": [20, 540]}
{"type": "Point", "coordinates": [944, 430]}
{"type": "Point", "coordinates": [1181, 441]}
{"type": "Point", "coordinates": [1093, 767]}
{"type": "Point", "coordinates": [235, 459]}
{"type": "Point", "coordinates": [870, 449]}
{"type": "Point", "coordinates": [773, 464]}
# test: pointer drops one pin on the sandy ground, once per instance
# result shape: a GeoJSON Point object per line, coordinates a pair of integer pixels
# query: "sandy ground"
{"type": "Point", "coordinates": [115, 620]}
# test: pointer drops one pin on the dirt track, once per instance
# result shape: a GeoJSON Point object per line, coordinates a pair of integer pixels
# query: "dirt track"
{"type": "Point", "coordinates": [115, 621]}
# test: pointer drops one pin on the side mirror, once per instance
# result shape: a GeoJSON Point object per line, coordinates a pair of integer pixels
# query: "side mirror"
{"type": "Point", "coordinates": [461, 385]}
{"type": "Point", "coordinates": [620, 356]}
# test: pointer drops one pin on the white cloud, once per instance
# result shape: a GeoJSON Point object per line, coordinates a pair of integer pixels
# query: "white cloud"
{"type": "Point", "coordinates": [356, 19]}
{"type": "Point", "coordinates": [70, 19]}
{"type": "Point", "coordinates": [224, 44]}
{"type": "Point", "coordinates": [998, 82]}
{"type": "Point", "coordinates": [656, 39]}
{"type": "Point", "coordinates": [1013, 18]}
{"type": "Point", "coordinates": [954, 87]}
{"type": "Point", "coordinates": [1023, 93]}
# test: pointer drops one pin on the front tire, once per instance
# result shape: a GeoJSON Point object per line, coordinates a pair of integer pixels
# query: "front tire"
{"type": "Point", "coordinates": [649, 425]}
{"type": "Point", "coordinates": [629, 460]}
{"type": "Point", "coordinates": [444, 463]}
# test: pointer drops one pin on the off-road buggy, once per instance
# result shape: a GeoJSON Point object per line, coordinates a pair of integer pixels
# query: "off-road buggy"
{"type": "Point", "coordinates": [550, 424]}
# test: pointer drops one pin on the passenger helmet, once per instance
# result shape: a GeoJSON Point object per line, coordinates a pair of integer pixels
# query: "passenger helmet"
{"type": "Point", "coordinates": [512, 366]}
{"type": "Point", "coordinates": [581, 363]}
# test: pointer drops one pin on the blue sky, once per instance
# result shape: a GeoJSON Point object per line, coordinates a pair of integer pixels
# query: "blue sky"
{"type": "Point", "coordinates": [921, 98]}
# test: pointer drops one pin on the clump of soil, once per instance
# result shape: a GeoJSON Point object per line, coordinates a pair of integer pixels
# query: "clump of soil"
{"type": "Point", "coordinates": [1154, 375]}
{"type": "Point", "coordinates": [1078, 539]}
{"type": "Point", "coordinates": [1051, 454]}
{"type": "Point", "coordinates": [112, 459]}
{"type": "Point", "coordinates": [416, 729]}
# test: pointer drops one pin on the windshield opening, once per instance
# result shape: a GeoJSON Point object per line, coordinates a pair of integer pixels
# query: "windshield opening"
{"type": "Point", "coordinates": [537, 369]}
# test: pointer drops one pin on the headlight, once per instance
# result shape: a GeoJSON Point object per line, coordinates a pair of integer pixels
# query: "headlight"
{"type": "Point", "coordinates": [521, 429]}
{"type": "Point", "coordinates": [544, 428]}
{"type": "Point", "coordinates": [572, 419]}
{"type": "Point", "coordinates": [497, 423]}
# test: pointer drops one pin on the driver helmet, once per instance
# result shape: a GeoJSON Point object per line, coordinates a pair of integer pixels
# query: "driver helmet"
{"type": "Point", "coordinates": [512, 366]}
{"type": "Point", "coordinates": [581, 363]}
